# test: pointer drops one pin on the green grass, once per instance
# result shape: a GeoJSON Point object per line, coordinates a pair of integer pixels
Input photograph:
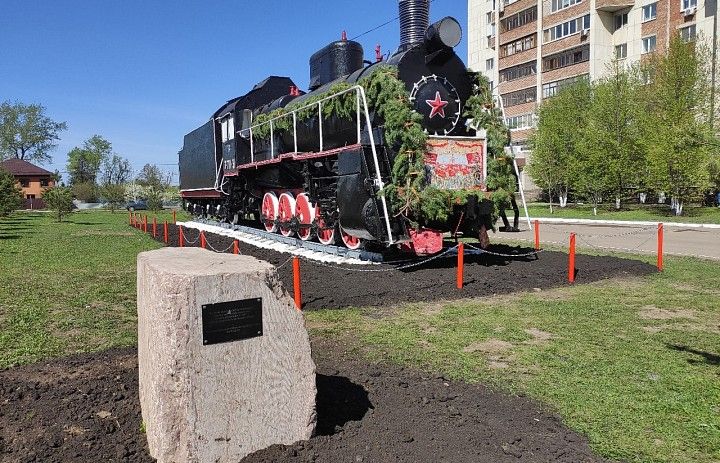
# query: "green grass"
{"type": "Point", "coordinates": [67, 287]}
{"type": "Point", "coordinates": [646, 212]}
{"type": "Point", "coordinates": [633, 364]}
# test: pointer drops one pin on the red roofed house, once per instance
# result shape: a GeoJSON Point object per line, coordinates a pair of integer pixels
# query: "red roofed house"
{"type": "Point", "coordinates": [32, 179]}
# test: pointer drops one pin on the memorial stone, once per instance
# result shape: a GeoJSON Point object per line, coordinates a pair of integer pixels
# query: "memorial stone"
{"type": "Point", "coordinates": [224, 357]}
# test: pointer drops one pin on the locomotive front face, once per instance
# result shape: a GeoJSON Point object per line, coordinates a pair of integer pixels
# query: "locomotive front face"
{"type": "Point", "coordinates": [438, 101]}
{"type": "Point", "coordinates": [436, 79]}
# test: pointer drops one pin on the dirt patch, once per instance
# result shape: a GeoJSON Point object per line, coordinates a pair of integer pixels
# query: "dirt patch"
{"type": "Point", "coordinates": [538, 336]}
{"type": "Point", "coordinates": [366, 413]}
{"type": "Point", "coordinates": [687, 327]}
{"type": "Point", "coordinates": [653, 313]}
{"type": "Point", "coordinates": [333, 287]}
{"type": "Point", "coordinates": [491, 346]}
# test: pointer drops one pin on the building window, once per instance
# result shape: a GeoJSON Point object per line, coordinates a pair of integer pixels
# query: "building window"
{"type": "Point", "coordinates": [490, 32]}
{"type": "Point", "coordinates": [566, 29]}
{"type": "Point", "coordinates": [685, 4]}
{"type": "Point", "coordinates": [489, 17]}
{"type": "Point", "coordinates": [24, 183]}
{"type": "Point", "coordinates": [558, 5]}
{"type": "Point", "coordinates": [227, 127]}
{"type": "Point", "coordinates": [518, 19]}
{"type": "Point", "coordinates": [523, 121]}
{"type": "Point", "coordinates": [527, 95]}
{"type": "Point", "coordinates": [621, 20]}
{"type": "Point", "coordinates": [649, 43]}
{"type": "Point", "coordinates": [688, 33]}
{"type": "Point", "coordinates": [566, 58]}
{"type": "Point", "coordinates": [30, 196]}
{"type": "Point", "coordinates": [517, 72]}
{"type": "Point", "coordinates": [649, 12]}
{"type": "Point", "coordinates": [552, 88]}
{"type": "Point", "coordinates": [525, 43]}
{"type": "Point", "coordinates": [489, 64]}
{"type": "Point", "coordinates": [621, 51]}
{"type": "Point", "coordinates": [44, 182]}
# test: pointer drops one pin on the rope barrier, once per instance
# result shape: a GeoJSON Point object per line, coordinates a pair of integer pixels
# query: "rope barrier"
{"type": "Point", "coordinates": [379, 270]}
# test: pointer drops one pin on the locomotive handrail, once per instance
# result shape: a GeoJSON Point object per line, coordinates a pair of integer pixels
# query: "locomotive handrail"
{"type": "Point", "coordinates": [361, 105]}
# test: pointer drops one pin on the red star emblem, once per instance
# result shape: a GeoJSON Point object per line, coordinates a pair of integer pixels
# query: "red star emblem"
{"type": "Point", "coordinates": [437, 105]}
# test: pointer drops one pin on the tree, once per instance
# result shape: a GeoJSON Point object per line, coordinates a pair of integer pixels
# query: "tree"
{"type": "Point", "coordinates": [116, 171]}
{"type": "Point", "coordinates": [561, 122]}
{"type": "Point", "coordinates": [154, 182]}
{"type": "Point", "coordinates": [84, 163]}
{"type": "Point", "coordinates": [611, 151]}
{"type": "Point", "coordinates": [151, 176]}
{"type": "Point", "coordinates": [113, 194]}
{"type": "Point", "coordinates": [115, 174]}
{"type": "Point", "coordinates": [27, 133]}
{"type": "Point", "coordinates": [10, 193]}
{"type": "Point", "coordinates": [678, 130]}
{"type": "Point", "coordinates": [59, 199]}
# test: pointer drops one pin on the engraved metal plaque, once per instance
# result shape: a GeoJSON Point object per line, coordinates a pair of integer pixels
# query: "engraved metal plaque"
{"type": "Point", "coordinates": [232, 321]}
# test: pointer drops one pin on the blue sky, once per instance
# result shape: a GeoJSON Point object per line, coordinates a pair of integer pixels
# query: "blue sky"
{"type": "Point", "coordinates": [142, 73]}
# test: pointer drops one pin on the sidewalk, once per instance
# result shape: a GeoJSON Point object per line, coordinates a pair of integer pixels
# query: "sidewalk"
{"type": "Point", "coordinates": [692, 240]}
{"type": "Point", "coordinates": [629, 223]}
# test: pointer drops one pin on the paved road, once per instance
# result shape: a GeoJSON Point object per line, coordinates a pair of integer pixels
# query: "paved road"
{"type": "Point", "coordinates": [637, 238]}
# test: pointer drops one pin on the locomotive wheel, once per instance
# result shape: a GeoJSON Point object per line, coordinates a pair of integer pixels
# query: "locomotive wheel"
{"type": "Point", "coordinates": [305, 214]}
{"type": "Point", "coordinates": [269, 211]}
{"type": "Point", "coordinates": [351, 242]}
{"type": "Point", "coordinates": [325, 235]}
{"type": "Point", "coordinates": [286, 212]}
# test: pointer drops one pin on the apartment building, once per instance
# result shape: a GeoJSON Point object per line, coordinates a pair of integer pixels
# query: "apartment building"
{"type": "Point", "coordinates": [529, 49]}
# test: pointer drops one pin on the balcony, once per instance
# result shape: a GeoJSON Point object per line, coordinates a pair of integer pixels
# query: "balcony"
{"type": "Point", "coordinates": [613, 5]}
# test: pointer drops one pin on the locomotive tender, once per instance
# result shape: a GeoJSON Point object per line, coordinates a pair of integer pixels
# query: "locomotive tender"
{"type": "Point", "coordinates": [323, 177]}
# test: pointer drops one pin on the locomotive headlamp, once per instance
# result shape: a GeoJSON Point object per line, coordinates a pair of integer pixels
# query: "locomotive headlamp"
{"type": "Point", "coordinates": [445, 33]}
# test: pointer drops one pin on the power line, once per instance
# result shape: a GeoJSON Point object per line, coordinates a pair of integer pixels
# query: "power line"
{"type": "Point", "coordinates": [381, 25]}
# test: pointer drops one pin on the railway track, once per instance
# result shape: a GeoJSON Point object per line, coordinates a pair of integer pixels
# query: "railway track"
{"type": "Point", "coordinates": [289, 245]}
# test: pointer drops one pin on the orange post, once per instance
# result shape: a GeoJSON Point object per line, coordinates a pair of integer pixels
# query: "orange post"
{"type": "Point", "coordinates": [660, 247]}
{"type": "Point", "coordinates": [137, 221]}
{"type": "Point", "coordinates": [296, 283]}
{"type": "Point", "coordinates": [460, 264]}
{"type": "Point", "coordinates": [154, 227]}
{"type": "Point", "coordinates": [571, 259]}
{"type": "Point", "coordinates": [180, 236]}
{"type": "Point", "coordinates": [236, 247]}
{"type": "Point", "coordinates": [537, 235]}
{"type": "Point", "coordinates": [166, 232]}
{"type": "Point", "coordinates": [202, 240]}
{"type": "Point", "coordinates": [174, 218]}
{"type": "Point", "coordinates": [145, 224]}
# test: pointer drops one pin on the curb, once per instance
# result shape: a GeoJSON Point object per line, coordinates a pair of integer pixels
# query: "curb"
{"type": "Point", "coordinates": [628, 223]}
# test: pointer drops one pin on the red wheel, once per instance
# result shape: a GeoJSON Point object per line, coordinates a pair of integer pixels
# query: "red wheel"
{"type": "Point", "coordinates": [269, 211]}
{"type": "Point", "coordinates": [305, 214]}
{"type": "Point", "coordinates": [286, 212]}
{"type": "Point", "coordinates": [325, 235]}
{"type": "Point", "coordinates": [352, 242]}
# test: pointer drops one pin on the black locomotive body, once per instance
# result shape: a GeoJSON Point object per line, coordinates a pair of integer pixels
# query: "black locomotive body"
{"type": "Point", "coordinates": [322, 177]}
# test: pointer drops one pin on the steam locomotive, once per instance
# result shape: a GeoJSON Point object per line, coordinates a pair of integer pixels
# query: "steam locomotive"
{"type": "Point", "coordinates": [323, 177]}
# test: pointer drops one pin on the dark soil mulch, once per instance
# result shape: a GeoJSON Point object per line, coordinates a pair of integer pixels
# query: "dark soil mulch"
{"type": "Point", "coordinates": [326, 287]}
{"type": "Point", "coordinates": [86, 409]}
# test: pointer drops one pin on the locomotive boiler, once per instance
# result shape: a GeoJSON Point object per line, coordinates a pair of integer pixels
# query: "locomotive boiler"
{"type": "Point", "coordinates": [293, 164]}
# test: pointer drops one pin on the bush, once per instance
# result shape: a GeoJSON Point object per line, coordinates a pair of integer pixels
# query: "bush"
{"type": "Point", "coordinates": [154, 198]}
{"type": "Point", "coordinates": [59, 199]}
{"type": "Point", "coordinates": [85, 191]}
{"type": "Point", "coordinates": [10, 194]}
{"type": "Point", "coordinates": [114, 195]}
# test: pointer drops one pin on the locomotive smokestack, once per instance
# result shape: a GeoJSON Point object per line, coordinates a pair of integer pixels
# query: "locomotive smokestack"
{"type": "Point", "coordinates": [414, 21]}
